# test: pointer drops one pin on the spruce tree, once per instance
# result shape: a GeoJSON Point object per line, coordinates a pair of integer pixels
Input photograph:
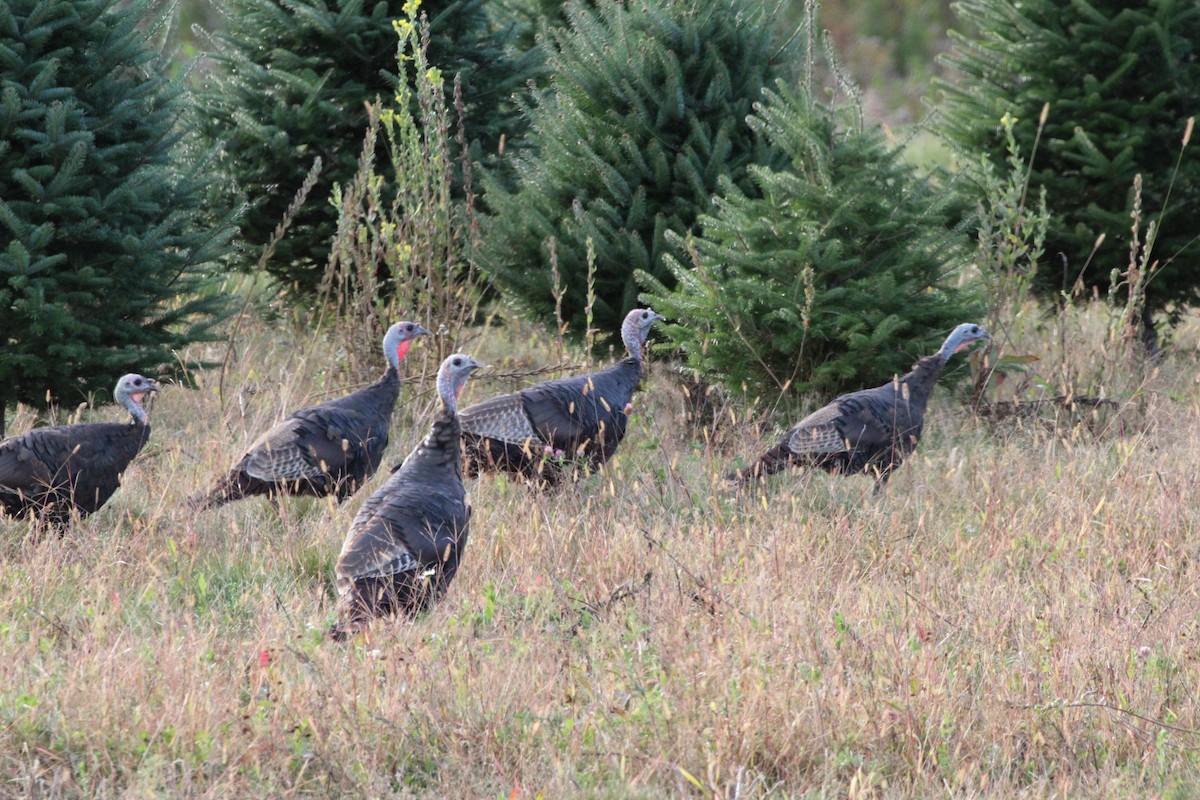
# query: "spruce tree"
{"type": "Point", "coordinates": [533, 18]}
{"type": "Point", "coordinates": [290, 82]}
{"type": "Point", "coordinates": [1121, 78]}
{"type": "Point", "coordinates": [645, 113]}
{"type": "Point", "coordinates": [103, 261]}
{"type": "Point", "coordinates": [831, 275]}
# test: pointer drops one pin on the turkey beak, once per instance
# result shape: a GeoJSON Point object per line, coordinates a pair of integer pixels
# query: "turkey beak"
{"type": "Point", "coordinates": [655, 317]}
{"type": "Point", "coordinates": [150, 390]}
{"type": "Point", "coordinates": [420, 331]}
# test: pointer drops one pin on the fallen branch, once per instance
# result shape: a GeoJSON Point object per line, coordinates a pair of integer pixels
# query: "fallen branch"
{"type": "Point", "coordinates": [617, 595]}
{"type": "Point", "coordinates": [1106, 707]}
{"type": "Point", "coordinates": [1026, 409]}
{"type": "Point", "coordinates": [709, 603]}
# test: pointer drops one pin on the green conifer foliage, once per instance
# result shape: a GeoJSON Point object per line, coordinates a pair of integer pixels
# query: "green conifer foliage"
{"type": "Point", "coordinates": [830, 276]}
{"type": "Point", "coordinates": [1121, 78]}
{"type": "Point", "coordinates": [290, 83]}
{"type": "Point", "coordinates": [645, 113]}
{"type": "Point", "coordinates": [102, 256]}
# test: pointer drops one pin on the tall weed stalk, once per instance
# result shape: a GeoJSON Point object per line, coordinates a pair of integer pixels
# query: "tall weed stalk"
{"type": "Point", "coordinates": [405, 242]}
{"type": "Point", "coordinates": [1087, 365]}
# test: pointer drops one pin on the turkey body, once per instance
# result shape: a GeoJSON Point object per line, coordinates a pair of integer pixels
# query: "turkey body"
{"type": "Point", "coordinates": [405, 544]}
{"type": "Point", "coordinates": [58, 470]}
{"type": "Point", "coordinates": [330, 449]}
{"type": "Point", "coordinates": [582, 418]}
{"type": "Point", "coordinates": [546, 430]}
{"type": "Point", "coordinates": [869, 431]}
{"type": "Point", "coordinates": [327, 449]}
{"type": "Point", "coordinates": [52, 471]}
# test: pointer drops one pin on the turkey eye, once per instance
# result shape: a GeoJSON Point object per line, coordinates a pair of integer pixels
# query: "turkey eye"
{"type": "Point", "coordinates": [458, 362]}
{"type": "Point", "coordinates": [408, 328]}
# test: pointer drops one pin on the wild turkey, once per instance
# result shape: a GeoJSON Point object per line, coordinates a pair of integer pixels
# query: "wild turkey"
{"type": "Point", "coordinates": [331, 448]}
{"type": "Point", "coordinates": [872, 430]}
{"type": "Point", "coordinates": [407, 540]}
{"type": "Point", "coordinates": [541, 430]}
{"type": "Point", "coordinates": [51, 471]}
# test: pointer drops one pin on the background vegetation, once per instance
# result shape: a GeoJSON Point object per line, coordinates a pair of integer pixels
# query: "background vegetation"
{"type": "Point", "coordinates": [1107, 88]}
{"type": "Point", "coordinates": [804, 285]}
{"type": "Point", "coordinates": [109, 233]}
{"type": "Point", "coordinates": [286, 86]}
{"type": "Point", "coordinates": [644, 114]}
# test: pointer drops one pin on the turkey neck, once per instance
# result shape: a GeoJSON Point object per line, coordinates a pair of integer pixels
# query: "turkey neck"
{"type": "Point", "coordinates": [440, 447]}
{"type": "Point", "coordinates": [140, 417]}
{"type": "Point", "coordinates": [924, 374]}
{"type": "Point", "coordinates": [387, 384]}
{"type": "Point", "coordinates": [389, 378]}
{"type": "Point", "coordinates": [632, 364]}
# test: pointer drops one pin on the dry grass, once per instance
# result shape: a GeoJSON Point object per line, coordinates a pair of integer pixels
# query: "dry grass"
{"type": "Point", "coordinates": [1017, 615]}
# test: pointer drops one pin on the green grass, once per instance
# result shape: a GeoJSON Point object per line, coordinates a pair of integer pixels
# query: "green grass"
{"type": "Point", "coordinates": [1017, 614]}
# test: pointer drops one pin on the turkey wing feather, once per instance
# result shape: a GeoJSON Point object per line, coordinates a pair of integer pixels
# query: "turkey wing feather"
{"type": "Point", "coordinates": [306, 446]}
{"type": "Point", "coordinates": [855, 422]}
{"type": "Point", "coordinates": [23, 468]}
{"type": "Point", "coordinates": [501, 418]}
{"type": "Point", "coordinates": [412, 528]}
{"type": "Point", "coordinates": [564, 412]}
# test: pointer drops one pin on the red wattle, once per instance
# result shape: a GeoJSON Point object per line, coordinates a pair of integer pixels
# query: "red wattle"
{"type": "Point", "coordinates": [402, 349]}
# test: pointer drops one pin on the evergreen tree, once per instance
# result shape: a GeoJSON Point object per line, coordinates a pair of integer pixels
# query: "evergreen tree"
{"type": "Point", "coordinates": [645, 113]}
{"type": "Point", "coordinates": [1121, 79]}
{"type": "Point", "coordinates": [534, 17]}
{"type": "Point", "coordinates": [102, 266]}
{"type": "Point", "coordinates": [290, 82]}
{"type": "Point", "coordinates": [830, 276]}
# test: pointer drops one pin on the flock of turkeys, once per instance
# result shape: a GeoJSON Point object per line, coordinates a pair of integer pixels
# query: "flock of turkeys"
{"type": "Point", "coordinates": [405, 543]}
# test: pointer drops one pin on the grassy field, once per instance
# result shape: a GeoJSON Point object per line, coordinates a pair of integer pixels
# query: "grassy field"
{"type": "Point", "coordinates": [1018, 615]}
